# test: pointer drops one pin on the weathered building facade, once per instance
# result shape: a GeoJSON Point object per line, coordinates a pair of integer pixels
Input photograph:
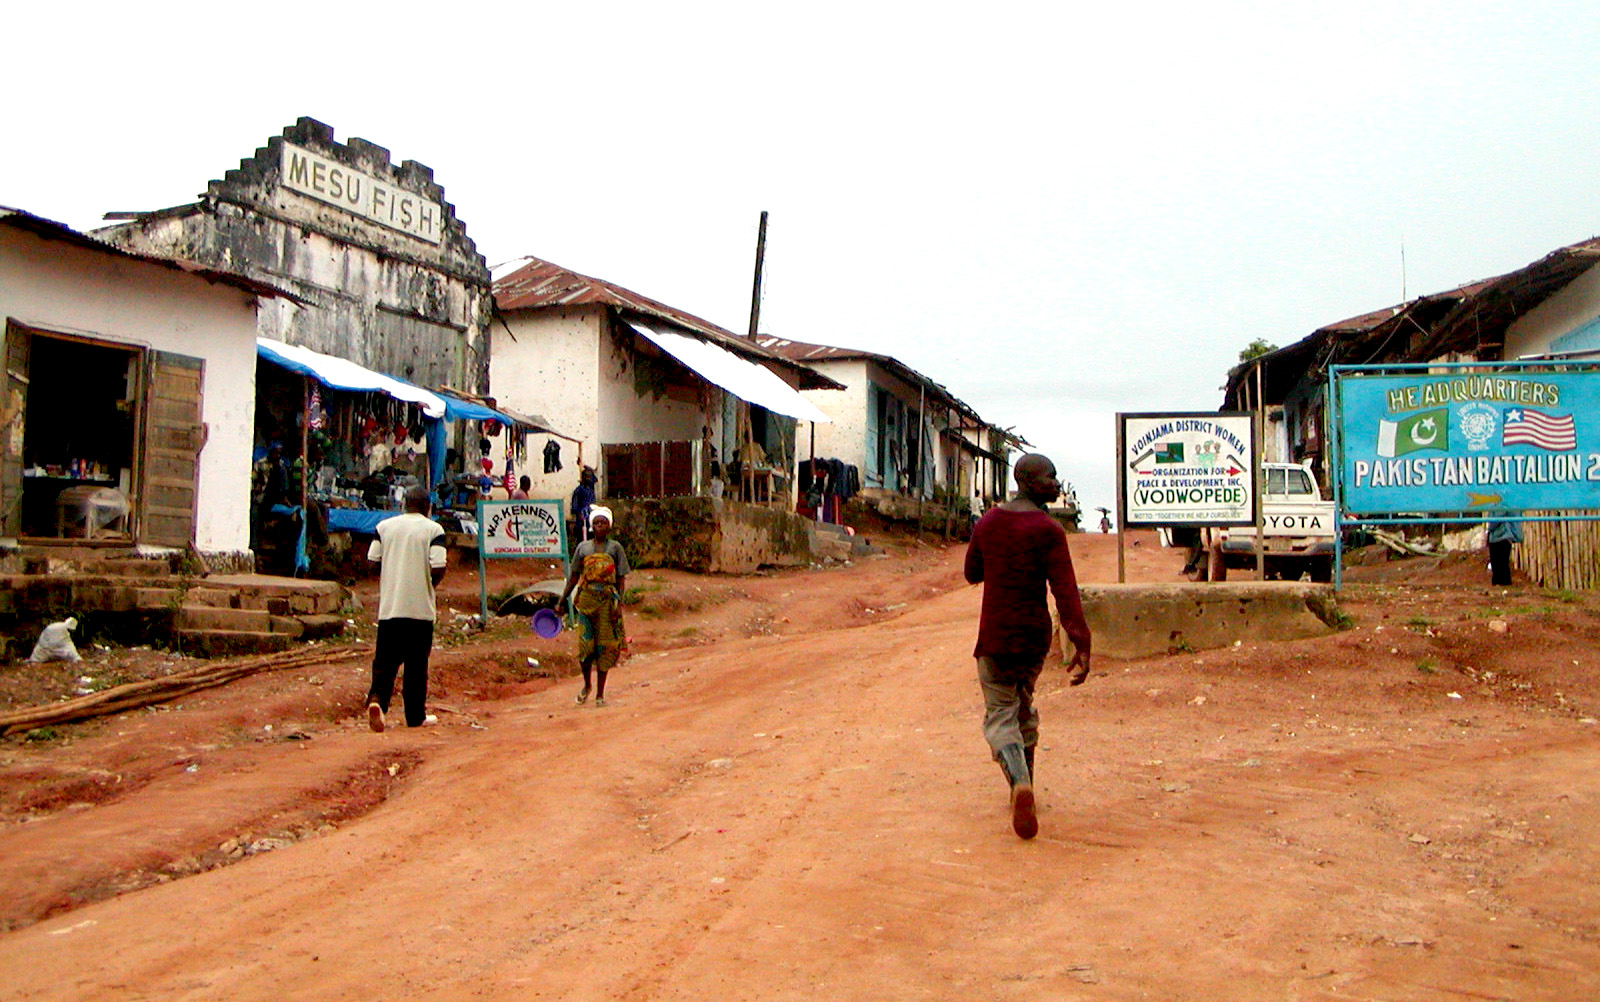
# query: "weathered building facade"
{"type": "Point", "coordinates": [128, 395]}
{"type": "Point", "coordinates": [384, 273]}
{"type": "Point", "coordinates": [907, 434]}
{"type": "Point", "coordinates": [607, 366]}
{"type": "Point", "coordinates": [1548, 310]}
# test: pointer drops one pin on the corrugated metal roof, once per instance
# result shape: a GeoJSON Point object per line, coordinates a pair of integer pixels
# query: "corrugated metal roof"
{"type": "Point", "coordinates": [531, 283]}
{"type": "Point", "coordinates": [49, 229]}
{"type": "Point", "coordinates": [1470, 318]}
{"type": "Point", "coordinates": [802, 351]}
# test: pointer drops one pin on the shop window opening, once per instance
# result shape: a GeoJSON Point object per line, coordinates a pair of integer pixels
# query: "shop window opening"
{"type": "Point", "coordinates": [78, 436]}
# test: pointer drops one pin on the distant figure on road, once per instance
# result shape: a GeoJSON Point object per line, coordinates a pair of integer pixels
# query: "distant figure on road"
{"type": "Point", "coordinates": [411, 549]}
{"type": "Point", "coordinates": [1501, 536]}
{"type": "Point", "coordinates": [599, 575]}
{"type": "Point", "coordinates": [1019, 552]}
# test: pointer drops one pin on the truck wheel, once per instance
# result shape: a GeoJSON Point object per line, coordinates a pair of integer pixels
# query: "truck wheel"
{"type": "Point", "coordinates": [1216, 569]}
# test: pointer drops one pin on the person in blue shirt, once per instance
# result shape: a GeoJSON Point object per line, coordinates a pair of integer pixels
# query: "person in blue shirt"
{"type": "Point", "coordinates": [1501, 535]}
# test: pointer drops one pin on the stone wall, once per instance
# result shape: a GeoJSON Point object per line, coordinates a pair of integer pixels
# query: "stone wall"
{"type": "Point", "coordinates": [709, 535]}
{"type": "Point", "coordinates": [411, 306]}
{"type": "Point", "coordinates": [1136, 621]}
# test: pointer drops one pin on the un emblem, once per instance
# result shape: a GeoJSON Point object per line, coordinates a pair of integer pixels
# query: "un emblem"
{"type": "Point", "coordinates": [1478, 423]}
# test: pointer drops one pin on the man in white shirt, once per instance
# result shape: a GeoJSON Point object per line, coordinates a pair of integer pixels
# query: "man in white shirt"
{"type": "Point", "coordinates": [411, 549]}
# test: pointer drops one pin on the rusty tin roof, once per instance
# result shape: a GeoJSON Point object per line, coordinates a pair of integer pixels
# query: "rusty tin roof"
{"type": "Point", "coordinates": [49, 229]}
{"type": "Point", "coordinates": [539, 284]}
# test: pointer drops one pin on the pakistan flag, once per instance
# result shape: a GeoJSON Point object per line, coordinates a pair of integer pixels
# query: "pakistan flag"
{"type": "Point", "coordinates": [1422, 430]}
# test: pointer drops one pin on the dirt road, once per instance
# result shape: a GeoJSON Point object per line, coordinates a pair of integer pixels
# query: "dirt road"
{"type": "Point", "coordinates": [789, 798]}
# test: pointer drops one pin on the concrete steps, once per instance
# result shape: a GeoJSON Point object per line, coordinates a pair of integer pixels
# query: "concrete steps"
{"type": "Point", "coordinates": [231, 643]}
{"type": "Point", "coordinates": [139, 600]}
{"type": "Point", "coordinates": [831, 540]}
{"type": "Point", "coordinates": [195, 618]}
{"type": "Point", "coordinates": [256, 614]}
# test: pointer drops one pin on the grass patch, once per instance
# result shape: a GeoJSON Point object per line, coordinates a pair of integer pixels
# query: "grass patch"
{"type": "Point", "coordinates": [1428, 666]}
{"type": "Point", "coordinates": [1419, 622]}
{"type": "Point", "coordinates": [501, 597]}
{"type": "Point", "coordinates": [634, 596]}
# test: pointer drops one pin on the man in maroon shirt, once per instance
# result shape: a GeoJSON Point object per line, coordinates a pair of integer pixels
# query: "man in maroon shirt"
{"type": "Point", "coordinates": [1018, 551]}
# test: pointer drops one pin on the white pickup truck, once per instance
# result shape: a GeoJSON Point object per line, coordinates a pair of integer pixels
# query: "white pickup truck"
{"type": "Point", "coordinates": [1298, 525]}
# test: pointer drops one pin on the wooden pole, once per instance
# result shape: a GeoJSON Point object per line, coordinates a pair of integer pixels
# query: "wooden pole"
{"type": "Point", "coordinates": [746, 474]}
{"type": "Point", "coordinates": [1255, 474]}
{"type": "Point", "coordinates": [305, 444]}
{"type": "Point", "coordinates": [824, 497]}
{"type": "Point", "coordinates": [1122, 493]}
{"type": "Point", "coordinates": [949, 488]}
{"type": "Point", "coordinates": [922, 405]}
{"type": "Point", "coordinates": [755, 291]}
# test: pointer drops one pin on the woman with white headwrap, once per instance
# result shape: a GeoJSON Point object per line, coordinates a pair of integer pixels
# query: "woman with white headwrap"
{"type": "Point", "coordinates": [599, 574]}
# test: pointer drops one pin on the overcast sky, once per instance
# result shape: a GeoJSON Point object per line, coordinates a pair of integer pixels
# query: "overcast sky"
{"type": "Point", "coordinates": [1058, 211]}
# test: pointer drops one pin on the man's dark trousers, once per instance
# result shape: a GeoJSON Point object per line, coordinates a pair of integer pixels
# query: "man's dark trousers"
{"type": "Point", "coordinates": [407, 642]}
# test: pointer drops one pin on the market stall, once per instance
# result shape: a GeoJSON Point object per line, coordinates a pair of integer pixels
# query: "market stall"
{"type": "Point", "coordinates": [338, 445]}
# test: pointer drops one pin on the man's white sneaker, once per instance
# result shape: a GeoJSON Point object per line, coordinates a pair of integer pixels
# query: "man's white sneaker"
{"type": "Point", "coordinates": [375, 718]}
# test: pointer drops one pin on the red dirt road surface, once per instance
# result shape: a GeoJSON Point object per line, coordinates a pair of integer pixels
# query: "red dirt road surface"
{"type": "Point", "coordinates": [788, 798]}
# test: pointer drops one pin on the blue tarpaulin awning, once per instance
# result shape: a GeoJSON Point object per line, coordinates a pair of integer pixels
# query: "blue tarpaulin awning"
{"type": "Point", "coordinates": [459, 409]}
{"type": "Point", "coordinates": [343, 374]}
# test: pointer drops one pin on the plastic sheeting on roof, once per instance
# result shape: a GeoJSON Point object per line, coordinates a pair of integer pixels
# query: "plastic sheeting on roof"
{"type": "Point", "coordinates": [343, 374]}
{"type": "Point", "coordinates": [461, 409]}
{"type": "Point", "coordinates": [746, 380]}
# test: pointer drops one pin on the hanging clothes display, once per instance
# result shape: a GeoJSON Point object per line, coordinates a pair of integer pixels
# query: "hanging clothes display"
{"type": "Point", "coordinates": [552, 456]}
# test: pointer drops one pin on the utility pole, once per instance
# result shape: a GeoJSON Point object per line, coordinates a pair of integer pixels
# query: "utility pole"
{"type": "Point", "coordinates": [755, 292]}
{"type": "Point", "coordinates": [746, 475]}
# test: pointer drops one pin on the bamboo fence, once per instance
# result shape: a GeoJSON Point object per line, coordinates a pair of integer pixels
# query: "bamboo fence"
{"type": "Point", "coordinates": [1560, 555]}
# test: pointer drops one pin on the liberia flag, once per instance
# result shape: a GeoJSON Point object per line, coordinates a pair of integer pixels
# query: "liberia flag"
{"type": "Point", "coordinates": [1526, 426]}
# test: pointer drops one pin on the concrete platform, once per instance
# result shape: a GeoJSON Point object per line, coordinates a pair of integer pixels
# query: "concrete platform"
{"type": "Point", "coordinates": [231, 643]}
{"type": "Point", "coordinates": [215, 615]}
{"type": "Point", "coordinates": [256, 591]}
{"type": "Point", "coordinates": [1136, 621]}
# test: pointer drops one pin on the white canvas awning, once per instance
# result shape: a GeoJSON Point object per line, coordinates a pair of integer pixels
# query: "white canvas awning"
{"type": "Point", "coordinates": [746, 380]}
{"type": "Point", "coordinates": [343, 374]}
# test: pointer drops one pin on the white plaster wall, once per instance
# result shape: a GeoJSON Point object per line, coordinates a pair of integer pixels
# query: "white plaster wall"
{"type": "Point", "coordinates": [625, 416]}
{"type": "Point", "coordinates": [846, 438]}
{"type": "Point", "coordinates": [1567, 310]}
{"type": "Point", "coordinates": [551, 367]}
{"type": "Point", "coordinates": [57, 286]}
{"type": "Point", "coordinates": [564, 366]}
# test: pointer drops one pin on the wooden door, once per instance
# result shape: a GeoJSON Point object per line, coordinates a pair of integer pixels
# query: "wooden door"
{"type": "Point", "coordinates": [13, 410]}
{"type": "Point", "coordinates": [872, 471]}
{"type": "Point", "coordinates": [173, 436]}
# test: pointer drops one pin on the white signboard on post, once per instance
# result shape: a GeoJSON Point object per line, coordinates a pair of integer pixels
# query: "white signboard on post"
{"type": "Point", "coordinates": [1186, 469]}
{"type": "Point", "coordinates": [522, 529]}
{"type": "Point", "coordinates": [519, 529]}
